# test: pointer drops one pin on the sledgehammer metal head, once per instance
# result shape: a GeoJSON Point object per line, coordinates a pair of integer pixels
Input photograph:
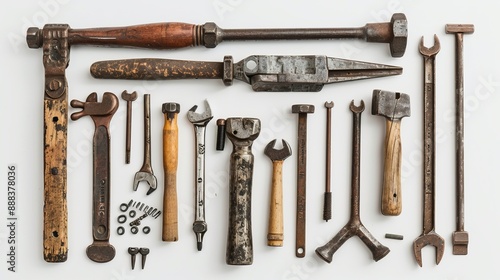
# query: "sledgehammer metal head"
{"type": "Point", "coordinates": [392, 105]}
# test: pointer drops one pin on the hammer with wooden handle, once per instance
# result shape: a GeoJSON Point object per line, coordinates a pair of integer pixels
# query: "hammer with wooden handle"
{"type": "Point", "coordinates": [170, 159]}
{"type": "Point", "coordinates": [393, 106]}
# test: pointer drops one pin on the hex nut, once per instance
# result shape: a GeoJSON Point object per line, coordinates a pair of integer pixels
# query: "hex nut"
{"type": "Point", "coordinates": [34, 37]}
{"type": "Point", "coordinates": [399, 25]}
{"type": "Point", "coordinates": [211, 35]}
{"type": "Point", "coordinates": [170, 107]}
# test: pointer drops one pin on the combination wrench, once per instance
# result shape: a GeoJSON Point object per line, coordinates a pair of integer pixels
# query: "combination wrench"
{"type": "Point", "coordinates": [200, 122]}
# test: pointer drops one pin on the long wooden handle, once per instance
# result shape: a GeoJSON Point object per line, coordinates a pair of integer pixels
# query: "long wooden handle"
{"type": "Point", "coordinates": [391, 186]}
{"type": "Point", "coordinates": [55, 210]}
{"type": "Point", "coordinates": [171, 35]}
{"type": "Point", "coordinates": [275, 228]}
{"type": "Point", "coordinates": [170, 159]}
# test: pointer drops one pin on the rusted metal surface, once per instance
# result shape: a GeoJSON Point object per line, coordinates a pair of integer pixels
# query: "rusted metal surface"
{"type": "Point", "coordinates": [129, 97]}
{"type": "Point", "coordinates": [429, 236]}
{"type": "Point", "coordinates": [200, 121]}
{"type": "Point", "coordinates": [354, 226]}
{"type": "Point", "coordinates": [327, 204]}
{"type": "Point", "coordinates": [300, 227]}
{"type": "Point", "coordinates": [101, 113]}
{"type": "Point", "coordinates": [241, 132]}
{"type": "Point", "coordinates": [146, 173]}
{"type": "Point", "coordinates": [460, 237]}
{"type": "Point", "coordinates": [263, 72]}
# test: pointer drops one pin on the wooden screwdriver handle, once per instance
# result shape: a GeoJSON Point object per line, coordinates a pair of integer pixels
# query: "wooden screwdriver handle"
{"type": "Point", "coordinates": [391, 186]}
{"type": "Point", "coordinates": [55, 210]}
{"type": "Point", "coordinates": [170, 35]}
{"type": "Point", "coordinates": [275, 228]}
{"type": "Point", "coordinates": [170, 159]}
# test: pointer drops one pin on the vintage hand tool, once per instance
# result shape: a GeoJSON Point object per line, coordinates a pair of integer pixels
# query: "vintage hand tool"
{"type": "Point", "coordinates": [175, 35]}
{"type": "Point", "coordinates": [263, 72]}
{"type": "Point", "coordinates": [460, 237]}
{"type": "Point", "coordinates": [429, 236]}
{"type": "Point", "coordinates": [354, 226]}
{"type": "Point", "coordinates": [129, 97]}
{"type": "Point", "coordinates": [170, 160]}
{"type": "Point", "coordinates": [300, 229]}
{"type": "Point", "coordinates": [275, 227]}
{"type": "Point", "coordinates": [200, 121]}
{"type": "Point", "coordinates": [241, 132]}
{"type": "Point", "coordinates": [393, 106]}
{"type": "Point", "coordinates": [101, 113]}
{"type": "Point", "coordinates": [133, 251]}
{"type": "Point", "coordinates": [146, 172]}
{"type": "Point", "coordinates": [327, 205]}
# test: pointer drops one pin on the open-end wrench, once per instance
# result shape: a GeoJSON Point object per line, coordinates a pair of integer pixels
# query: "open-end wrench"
{"type": "Point", "coordinates": [200, 121]}
{"type": "Point", "coordinates": [146, 171]}
{"type": "Point", "coordinates": [460, 237]}
{"type": "Point", "coordinates": [101, 113]}
{"type": "Point", "coordinates": [429, 236]}
{"type": "Point", "coordinates": [354, 226]}
{"type": "Point", "coordinates": [241, 132]}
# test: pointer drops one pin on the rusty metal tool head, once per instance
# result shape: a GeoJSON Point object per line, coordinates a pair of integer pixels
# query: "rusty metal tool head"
{"type": "Point", "coordinates": [101, 113]}
{"type": "Point", "coordinates": [460, 237]}
{"type": "Point", "coordinates": [393, 106]}
{"type": "Point", "coordinates": [281, 73]}
{"type": "Point", "coordinates": [200, 118]}
{"type": "Point", "coordinates": [146, 172]}
{"type": "Point", "coordinates": [275, 234]}
{"type": "Point", "coordinates": [241, 132]}
{"type": "Point", "coordinates": [354, 226]}
{"type": "Point", "coordinates": [432, 51]}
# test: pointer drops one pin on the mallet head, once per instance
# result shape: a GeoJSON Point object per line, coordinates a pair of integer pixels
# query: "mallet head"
{"type": "Point", "coordinates": [392, 105]}
{"type": "Point", "coordinates": [459, 28]}
{"type": "Point", "coordinates": [242, 129]}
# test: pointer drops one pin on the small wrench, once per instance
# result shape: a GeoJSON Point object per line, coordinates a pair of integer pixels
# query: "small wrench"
{"type": "Point", "coordinates": [101, 113]}
{"type": "Point", "coordinates": [429, 236]}
{"type": "Point", "coordinates": [146, 171]}
{"type": "Point", "coordinates": [200, 122]}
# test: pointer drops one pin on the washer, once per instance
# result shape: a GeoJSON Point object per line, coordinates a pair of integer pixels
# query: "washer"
{"type": "Point", "coordinates": [122, 219]}
{"type": "Point", "coordinates": [146, 230]}
{"type": "Point", "coordinates": [124, 207]}
{"type": "Point", "coordinates": [132, 213]}
{"type": "Point", "coordinates": [134, 230]}
{"type": "Point", "coordinates": [120, 230]}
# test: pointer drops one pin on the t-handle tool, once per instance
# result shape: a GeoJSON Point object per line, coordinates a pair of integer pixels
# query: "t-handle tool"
{"type": "Point", "coordinates": [241, 132]}
{"type": "Point", "coordinates": [460, 237]}
{"type": "Point", "coordinates": [307, 73]}
{"type": "Point", "coordinates": [354, 226]}
{"type": "Point", "coordinates": [393, 106]}
{"type": "Point", "coordinates": [101, 113]}
{"type": "Point", "coordinates": [275, 228]}
{"type": "Point", "coordinates": [170, 231]}
{"type": "Point", "coordinates": [146, 172]}
{"type": "Point", "coordinates": [173, 35]}
{"type": "Point", "coordinates": [429, 236]}
{"type": "Point", "coordinates": [200, 121]}
{"type": "Point", "coordinates": [129, 97]}
{"type": "Point", "coordinates": [327, 203]}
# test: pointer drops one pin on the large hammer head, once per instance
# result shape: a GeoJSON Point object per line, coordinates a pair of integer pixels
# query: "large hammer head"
{"type": "Point", "coordinates": [392, 105]}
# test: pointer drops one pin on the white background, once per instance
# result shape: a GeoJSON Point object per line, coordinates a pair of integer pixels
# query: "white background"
{"type": "Point", "coordinates": [22, 142]}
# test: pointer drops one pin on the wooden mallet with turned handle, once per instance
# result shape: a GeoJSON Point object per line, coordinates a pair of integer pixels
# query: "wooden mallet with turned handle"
{"type": "Point", "coordinates": [170, 159]}
{"type": "Point", "coordinates": [393, 106]}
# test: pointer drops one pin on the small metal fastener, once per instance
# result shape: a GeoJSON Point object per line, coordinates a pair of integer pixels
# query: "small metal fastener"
{"type": "Point", "coordinates": [130, 202]}
{"type": "Point", "coordinates": [122, 219]}
{"type": "Point", "coordinates": [120, 230]}
{"type": "Point", "coordinates": [221, 136]}
{"type": "Point", "coordinates": [132, 213]}
{"type": "Point", "coordinates": [133, 251]}
{"type": "Point", "coordinates": [157, 214]}
{"type": "Point", "coordinates": [393, 236]}
{"type": "Point", "coordinates": [133, 205]}
{"type": "Point", "coordinates": [144, 252]}
{"type": "Point", "coordinates": [124, 207]}
{"type": "Point", "coordinates": [146, 230]}
{"type": "Point", "coordinates": [142, 207]}
{"type": "Point", "coordinates": [134, 230]}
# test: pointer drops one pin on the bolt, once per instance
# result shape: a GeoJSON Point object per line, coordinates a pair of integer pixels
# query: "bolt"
{"type": "Point", "coordinates": [144, 252]}
{"type": "Point", "coordinates": [133, 251]}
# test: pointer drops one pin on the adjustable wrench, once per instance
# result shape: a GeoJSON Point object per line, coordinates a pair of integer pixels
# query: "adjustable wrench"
{"type": "Point", "coordinates": [200, 122]}
{"type": "Point", "coordinates": [429, 236]}
{"type": "Point", "coordinates": [242, 132]}
{"type": "Point", "coordinates": [101, 113]}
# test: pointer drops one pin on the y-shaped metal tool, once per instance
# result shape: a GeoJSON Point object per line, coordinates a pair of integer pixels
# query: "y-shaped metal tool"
{"type": "Point", "coordinates": [101, 113]}
{"type": "Point", "coordinates": [429, 236]}
{"type": "Point", "coordinates": [200, 122]}
{"type": "Point", "coordinates": [354, 226]}
{"type": "Point", "coordinates": [146, 171]}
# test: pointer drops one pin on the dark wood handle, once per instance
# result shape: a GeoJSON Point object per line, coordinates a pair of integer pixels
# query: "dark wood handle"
{"type": "Point", "coordinates": [55, 210]}
{"type": "Point", "coordinates": [391, 187]}
{"type": "Point", "coordinates": [171, 35]}
{"type": "Point", "coordinates": [170, 161]}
